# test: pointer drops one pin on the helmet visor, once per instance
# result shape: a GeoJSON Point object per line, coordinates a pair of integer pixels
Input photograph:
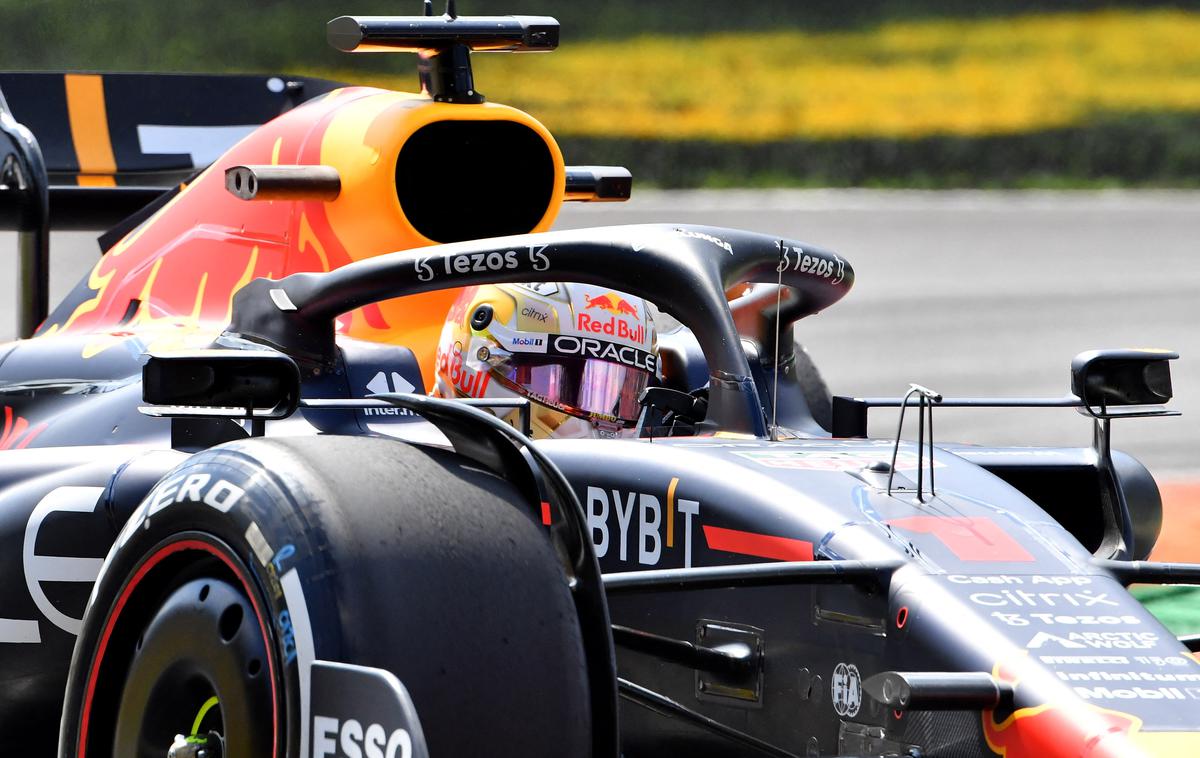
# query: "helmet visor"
{"type": "Point", "coordinates": [579, 386]}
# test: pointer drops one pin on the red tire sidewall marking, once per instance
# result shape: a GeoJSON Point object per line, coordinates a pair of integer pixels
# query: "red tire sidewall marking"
{"type": "Point", "coordinates": [154, 559]}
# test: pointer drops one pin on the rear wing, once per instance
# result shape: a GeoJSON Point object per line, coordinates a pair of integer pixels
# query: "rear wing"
{"type": "Point", "coordinates": [113, 143]}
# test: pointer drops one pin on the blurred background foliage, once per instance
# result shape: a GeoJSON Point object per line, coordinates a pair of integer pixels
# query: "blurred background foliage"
{"type": "Point", "coordinates": [708, 92]}
{"type": "Point", "coordinates": [203, 35]}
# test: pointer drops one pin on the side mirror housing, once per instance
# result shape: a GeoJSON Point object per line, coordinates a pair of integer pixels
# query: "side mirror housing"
{"type": "Point", "coordinates": [1115, 383]}
{"type": "Point", "coordinates": [255, 384]}
{"type": "Point", "coordinates": [598, 184]}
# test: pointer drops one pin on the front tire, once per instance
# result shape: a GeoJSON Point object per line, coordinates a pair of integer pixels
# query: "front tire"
{"type": "Point", "coordinates": [360, 550]}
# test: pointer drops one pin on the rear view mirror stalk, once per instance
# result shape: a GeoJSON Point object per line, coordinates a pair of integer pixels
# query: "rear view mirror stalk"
{"type": "Point", "coordinates": [1119, 384]}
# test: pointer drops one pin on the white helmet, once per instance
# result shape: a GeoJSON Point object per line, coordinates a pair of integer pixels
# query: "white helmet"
{"type": "Point", "coordinates": [580, 354]}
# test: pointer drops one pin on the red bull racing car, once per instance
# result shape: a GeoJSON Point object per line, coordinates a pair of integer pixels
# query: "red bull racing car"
{"type": "Point", "coordinates": [234, 523]}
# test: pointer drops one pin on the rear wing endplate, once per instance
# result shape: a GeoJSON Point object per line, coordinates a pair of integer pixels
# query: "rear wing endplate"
{"type": "Point", "coordinates": [112, 143]}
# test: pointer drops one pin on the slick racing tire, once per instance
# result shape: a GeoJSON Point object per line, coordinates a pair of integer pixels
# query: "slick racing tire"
{"type": "Point", "coordinates": [252, 560]}
{"type": "Point", "coordinates": [816, 393]}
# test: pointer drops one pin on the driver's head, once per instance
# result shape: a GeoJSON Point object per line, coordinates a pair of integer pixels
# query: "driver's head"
{"type": "Point", "coordinates": [580, 354]}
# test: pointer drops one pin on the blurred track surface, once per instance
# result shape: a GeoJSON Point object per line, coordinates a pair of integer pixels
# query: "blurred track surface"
{"type": "Point", "coordinates": [971, 293]}
{"type": "Point", "coordinates": [986, 293]}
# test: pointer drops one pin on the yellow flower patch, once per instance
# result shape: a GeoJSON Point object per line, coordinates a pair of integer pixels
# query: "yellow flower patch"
{"type": "Point", "coordinates": [902, 79]}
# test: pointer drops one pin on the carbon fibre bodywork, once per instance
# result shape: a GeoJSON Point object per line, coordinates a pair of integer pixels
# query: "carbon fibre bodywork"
{"type": "Point", "coordinates": [990, 581]}
{"type": "Point", "coordinates": [768, 582]}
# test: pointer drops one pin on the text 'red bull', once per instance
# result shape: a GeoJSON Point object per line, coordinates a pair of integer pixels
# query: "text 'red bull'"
{"type": "Point", "coordinates": [612, 326]}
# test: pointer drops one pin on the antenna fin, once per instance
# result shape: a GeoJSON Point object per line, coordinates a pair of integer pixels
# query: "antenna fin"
{"type": "Point", "coordinates": [428, 7]}
{"type": "Point", "coordinates": [451, 9]}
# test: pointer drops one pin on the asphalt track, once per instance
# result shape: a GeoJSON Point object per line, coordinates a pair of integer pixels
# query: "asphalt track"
{"type": "Point", "coordinates": [993, 293]}
{"type": "Point", "coordinates": [986, 293]}
{"type": "Point", "coordinates": [970, 293]}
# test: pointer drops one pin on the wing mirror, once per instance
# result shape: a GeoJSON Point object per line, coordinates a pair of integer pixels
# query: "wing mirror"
{"type": "Point", "coordinates": [1121, 383]}
{"type": "Point", "coordinates": [254, 384]}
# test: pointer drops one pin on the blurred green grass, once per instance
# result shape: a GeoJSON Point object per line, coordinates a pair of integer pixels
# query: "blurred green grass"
{"type": "Point", "coordinates": [887, 93]}
{"type": "Point", "coordinates": [1119, 150]}
{"type": "Point", "coordinates": [1178, 608]}
{"type": "Point", "coordinates": [221, 35]}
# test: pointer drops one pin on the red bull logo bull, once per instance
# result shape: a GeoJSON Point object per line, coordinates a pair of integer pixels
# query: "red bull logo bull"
{"type": "Point", "coordinates": [1070, 727]}
{"type": "Point", "coordinates": [613, 303]}
{"type": "Point", "coordinates": [615, 325]}
{"type": "Point", "coordinates": [1050, 730]}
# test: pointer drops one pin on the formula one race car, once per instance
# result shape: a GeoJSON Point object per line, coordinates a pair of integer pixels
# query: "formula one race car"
{"type": "Point", "coordinates": [233, 524]}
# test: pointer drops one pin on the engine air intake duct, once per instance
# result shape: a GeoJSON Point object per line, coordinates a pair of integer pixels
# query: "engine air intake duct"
{"type": "Point", "coordinates": [461, 180]}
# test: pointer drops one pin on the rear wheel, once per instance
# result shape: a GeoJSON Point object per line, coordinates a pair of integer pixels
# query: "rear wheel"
{"type": "Point", "coordinates": [816, 393]}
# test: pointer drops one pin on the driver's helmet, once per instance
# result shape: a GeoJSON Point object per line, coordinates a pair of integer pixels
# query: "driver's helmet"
{"type": "Point", "coordinates": [581, 354]}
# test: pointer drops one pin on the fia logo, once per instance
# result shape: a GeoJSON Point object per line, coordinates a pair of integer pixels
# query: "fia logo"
{"type": "Point", "coordinates": [846, 685]}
